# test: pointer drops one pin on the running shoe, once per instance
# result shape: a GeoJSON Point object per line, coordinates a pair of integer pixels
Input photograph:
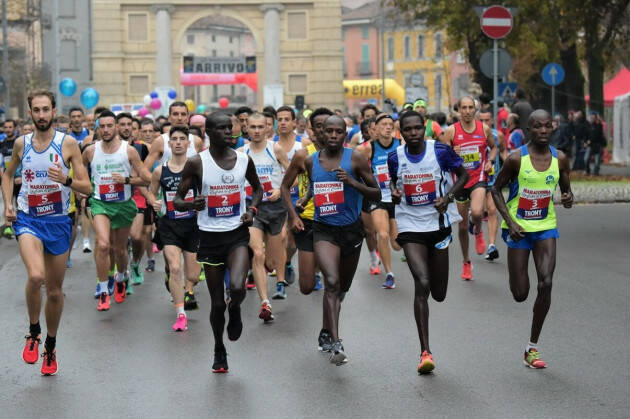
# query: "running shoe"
{"type": "Point", "coordinates": [155, 248]}
{"type": "Point", "coordinates": [86, 246]}
{"type": "Point", "coordinates": [480, 243]}
{"type": "Point", "coordinates": [8, 232]}
{"type": "Point", "coordinates": [181, 324]}
{"type": "Point", "coordinates": [235, 324]}
{"type": "Point", "coordinates": [49, 364]}
{"type": "Point", "coordinates": [273, 273]}
{"type": "Point", "coordinates": [250, 284]}
{"type": "Point", "coordinates": [150, 265]}
{"type": "Point", "coordinates": [389, 283]}
{"type": "Point", "coordinates": [467, 271]}
{"type": "Point", "coordinates": [97, 292]}
{"type": "Point", "coordinates": [532, 359]}
{"type": "Point", "coordinates": [318, 281]}
{"type": "Point", "coordinates": [190, 303]}
{"type": "Point", "coordinates": [110, 284]}
{"type": "Point", "coordinates": [265, 313]}
{"type": "Point", "coordinates": [375, 268]}
{"type": "Point", "coordinates": [120, 291]}
{"type": "Point", "coordinates": [289, 274]}
{"type": "Point", "coordinates": [403, 258]}
{"type": "Point", "coordinates": [426, 364]}
{"type": "Point", "coordinates": [492, 253]}
{"type": "Point", "coordinates": [69, 263]}
{"type": "Point", "coordinates": [31, 349]}
{"type": "Point", "coordinates": [281, 292]}
{"type": "Point", "coordinates": [220, 364]}
{"type": "Point", "coordinates": [128, 287]}
{"type": "Point", "coordinates": [137, 276]}
{"type": "Point", "coordinates": [103, 302]}
{"type": "Point", "coordinates": [324, 341]}
{"type": "Point", "coordinates": [337, 355]}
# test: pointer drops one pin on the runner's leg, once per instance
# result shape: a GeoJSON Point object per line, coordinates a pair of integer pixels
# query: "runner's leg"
{"type": "Point", "coordinates": [544, 254]}
{"type": "Point", "coordinates": [102, 246]}
{"type": "Point", "coordinates": [328, 258]}
{"type": "Point", "coordinates": [32, 252]}
{"type": "Point", "coordinates": [55, 272]}
{"type": "Point", "coordinates": [380, 220]}
{"type": "Point", "coordinates": [256, 237]}
{"type": "Point", "coordinates": [462, 230]}
{"type": "Point", "coordinates": [173, 256]}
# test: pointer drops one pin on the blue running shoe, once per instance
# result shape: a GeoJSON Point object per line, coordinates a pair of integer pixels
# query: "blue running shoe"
{"type": "Point", "coordinates": [110, 285]}
{"type": "Point", "coordinates": [389, 283]}
{"type": "Point", "coordinates": [97, 293]}
{"type": "Point", "coordinates": [289, 274]}
{"type": "Point", "coordinates": [69, 263]}
{"type": "Point", "coordinates": [281, 293]}
{"type": "Point", "coordinates": [318, 281]}
{"type": "Point", "coordinates": [492, 253]}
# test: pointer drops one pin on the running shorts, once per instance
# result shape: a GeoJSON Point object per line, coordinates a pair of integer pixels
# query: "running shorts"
{"type": "Point", "coordinates": [120, 214]}
{"type": "Point", "coordinates": [464, 195]}
{"type": "Point", "coordinates": [182, 233]}
{"type": "Point", "coordinates": [387, 206]}
{"type": "Point", "coordinates": [270, 217]}
{"type": "Point", "coordinates": [304, 239]}
{"type": "Point", "coordinates": [348, 238]}
{"type": "Point", "coordinates": [54, 232]}
{"type": "Point", "coordinates": [528, 241]}
{"type": "Point", "coordinates": [440, 239]}
{"type": "Point", "coordinates": [215, 247]}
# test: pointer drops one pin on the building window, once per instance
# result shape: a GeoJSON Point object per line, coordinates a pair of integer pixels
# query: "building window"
{"type": "Point", "coordinates": [67, 8]}
{"type": "Point", "coordinates": [138, 84]}
{"type": "Point", "coordinates": [420, 46]}
{"type": "Point", "coordinates": [190, 39]}
{"type": "Point", "coordinates": [137, 29]}
{"type": "Point", "coordinates": [68, 55]}
{"type": "Point", "coordinates": [230, 39]}
{"type": "Point", "coordinates": [390, 49]}
{"type": "Point", "coordinates": [364, 66]}
{"type": "Point", "coordinates": [407, 47]}
{"type": "Point", "coordinates": [296, 25]}
{"type": "Point", "coordinates": [438, 45]}
{"type": "Point", "coordinates": [214, 52]}
{"type": "Point", "coordinates": [297, 83]}
{"type": "Point", "coordinates": [214, 38]}
{"type": "Point", "coordinates": [365, 32]}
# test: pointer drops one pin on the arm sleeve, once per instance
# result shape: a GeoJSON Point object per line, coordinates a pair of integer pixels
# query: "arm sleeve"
{"type": "Point", "coordinates": [392, 164]}
{"type": "Point", "coordinates": [447, 158]}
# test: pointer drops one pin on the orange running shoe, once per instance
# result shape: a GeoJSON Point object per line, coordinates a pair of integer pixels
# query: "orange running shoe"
{"type": "Point", "coordinates": [480, 243]}
{"type": "Point", "coordinates": [31, 349]}
{"type": "Point", "coordinates": [103, 302]}
{"type": "Point", "coordinates": [532, 359]}
{"type": "Point", "coordinates": [375, 270]}
{"type": "Point", "coordinates": [120, 292]}
{"type": "Point", "coordinates": [49, 366]}
{"type": "Point", "coordinates": [265, 313]}
{"type": "Point", "coordinates": [467, 271]}
{"type": "Point", "coordinates": [426, 364]}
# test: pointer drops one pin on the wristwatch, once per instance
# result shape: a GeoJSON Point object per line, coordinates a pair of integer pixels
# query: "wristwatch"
{"type": "Point", "coordinates": [68, 181]}
{"type": "Point", "coordinates": [127, 180]}
{"type": "Point", "coordinates": [450, 196]}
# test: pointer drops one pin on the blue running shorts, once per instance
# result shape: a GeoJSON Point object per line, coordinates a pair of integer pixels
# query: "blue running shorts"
{"type": "Point", "coordinates": [527, 242]}
{"type": "Point", "coordinates": [54, 232]}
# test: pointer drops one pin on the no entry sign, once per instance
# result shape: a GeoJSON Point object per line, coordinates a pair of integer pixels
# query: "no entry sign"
{"type": "Point", "coordinates": [496, 22]}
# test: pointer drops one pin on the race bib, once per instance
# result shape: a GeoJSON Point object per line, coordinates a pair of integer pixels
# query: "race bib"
{"type": "Point", "coordinates": [110, 191]}
{"type": "Point", "coordinates": [471, 157]}
{"type": "Point", "coordinates": [45, 201]}
{"type": "Point", "coordinates": [533, 204]}
{"type": "Point", "coordinates": [224, 201]}
{"type": "Point", "coordinates": [328, 198]}
{"type": "Point", "coordinates": [382, 175]}
{"type": "Point", "coordinates": [170, 208]}
{"type": "Point", "coordinates": [419, 188]}
{"type": "Point", "coordinates": [265, 182]}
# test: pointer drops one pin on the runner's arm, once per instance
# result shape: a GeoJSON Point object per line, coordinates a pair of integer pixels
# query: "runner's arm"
{"type": "Point", "coordinates": [565, 182]}
{"type": "Point", "coordinates": [290, 175]}
{"type": "Point", "coordinates": [80, 179]}
{"type": "Point", "coordinates": [368, 188]}
{"type": "Point", "coordinates": [191, 177]}
{"type": "Point", "coordinates": [155, 152]}
{"type": "Point", "coordinates": [152, 193]}
{"type": "Point", "coordinates": [493, 148]}
{"type": "Point", "coordinates": [507, 174]}
{"type": "Point", "coordinates": [198, 143]}
{"type": "Point", "coordinates": [252, 178]}
{"type": "Point", "coordinates": [503, 153]}
{"type": "Point", "coordinates": [9, 172]}
{"type": "Point", "coordinates": [281, 155]}
{"type": "Point", "coordinates": [354, 141]}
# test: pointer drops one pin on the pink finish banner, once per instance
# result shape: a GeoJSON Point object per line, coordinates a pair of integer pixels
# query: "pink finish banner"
{"type": "Point", "coordinates": [198, 79]}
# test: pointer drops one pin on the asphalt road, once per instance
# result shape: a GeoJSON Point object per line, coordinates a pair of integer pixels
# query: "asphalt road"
{"type": "Point", "coordinates": [128, 363]}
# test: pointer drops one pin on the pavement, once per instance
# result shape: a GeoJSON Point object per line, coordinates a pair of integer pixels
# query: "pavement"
{"type": "Point", "coordinates": [127, 362]}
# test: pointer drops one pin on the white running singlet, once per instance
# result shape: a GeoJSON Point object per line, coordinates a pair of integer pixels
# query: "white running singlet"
{"type": "Point", "coordinates": [268, 168]}
{"type": "Point", "coordinates": [166, 155]}
{"type": "Point", "coordinates": [103, 166]}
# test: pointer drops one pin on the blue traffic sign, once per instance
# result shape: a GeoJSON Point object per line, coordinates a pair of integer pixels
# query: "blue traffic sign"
{"type": "Point", "coordinates": [553, 74]}
{"type": "Point", "coordinates": [507, 89]}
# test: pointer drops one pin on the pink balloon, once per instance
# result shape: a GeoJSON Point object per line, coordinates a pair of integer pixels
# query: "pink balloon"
{"type": "Point", "coordinates": [156, 103]}
{"type": "Point", "coordinates": [224, 102]}
{"type": "Point", "coordinates": [143, 112]}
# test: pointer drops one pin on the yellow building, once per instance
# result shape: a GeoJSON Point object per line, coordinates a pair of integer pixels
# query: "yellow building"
{"type": "Point", "coordinates": [416, 58]}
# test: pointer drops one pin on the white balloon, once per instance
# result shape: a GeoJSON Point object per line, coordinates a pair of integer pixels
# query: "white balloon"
{"type": "Point", "coordinates": [147, 100]}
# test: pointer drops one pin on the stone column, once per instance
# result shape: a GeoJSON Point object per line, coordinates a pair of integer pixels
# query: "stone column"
{"type": "Point", "coordinates": [273, 81]}
{"type": "Point", "coordinates": [163, 45]}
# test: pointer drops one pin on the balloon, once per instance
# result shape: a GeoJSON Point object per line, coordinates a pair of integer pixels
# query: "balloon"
{"type": "Point", "coordinates": [224, 102]}
{"type": "Point", "coordinates": [67, 87]}
{"type": "Point", "coordinates": [156, 103]}
{"type": "Point", "coordinates": [154, 95]}
{"type": "Point", "coordinates": [146, 100]}
{"type": "Point", "coordinates": [142, 112]}
{"type": "Point", "coordinates": [89, 97]}
{"type": "Point", "coordinates": [172, 93]}
{"type": "Point", "coordinates": [190, 104]}
{"type": "Point", "coordinates": [307, 113]}
{"type": "Point", "coordinates": [201, 108]}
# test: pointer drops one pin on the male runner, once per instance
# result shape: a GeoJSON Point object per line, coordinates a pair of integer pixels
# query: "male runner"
{"type": "Point", "coordinates": [290, 143]}
{"type": "Point", "coordinates": [382, 212]}
{"type": "Point", "coordinates": [243, 113]}
{"type": "Point", "coordinates": [516, 138]}
{"type": "Point", "coordinates": [486, 117]}
{"type": "Point", "coordinates": [76, 125]}
{"type": "Point", "coordinates": [6, 150]}
{"type": "Point", "coordinates": [42, 225]}
{"type": "Point", "coordinates": [223, 221]}
{"type": "Point", "coordinates": [532, 173]}
{"type": "Point", "coordinates": [368, 112]}
{"type": "Point", "coordinates": [270, 123]}
{"type": "Point", "coordinates": [266, 235]}
{"type": "Point", "coordinates": [422, 187]}
{"type": "Point", "coordinates": [111, 161]}
{"type": "Point", "coordinates": [178, 231]}
{"type": "Point", "coordinates": [433, 130]}
{"type": "Point", "coordinates": [470, 139]}
{"type": "Point", "coordinates": [339, 178]}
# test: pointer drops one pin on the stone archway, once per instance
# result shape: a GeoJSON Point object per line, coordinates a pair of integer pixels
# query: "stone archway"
{"type": "Point", "coordinates": [298, 46]}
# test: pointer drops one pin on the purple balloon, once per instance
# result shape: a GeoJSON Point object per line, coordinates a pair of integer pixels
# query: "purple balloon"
{"type": "Point", "coordinates": [156, 104]}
